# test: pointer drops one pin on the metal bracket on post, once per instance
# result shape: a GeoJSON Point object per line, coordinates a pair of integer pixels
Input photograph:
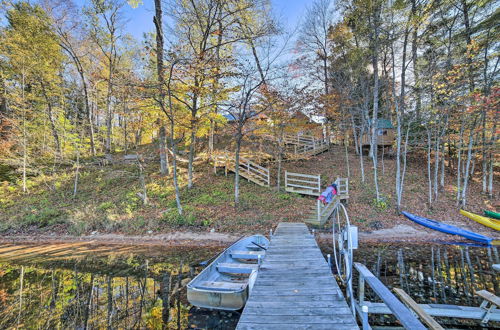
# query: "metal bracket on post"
{"type": "Point", "coordinates": [488, 310]}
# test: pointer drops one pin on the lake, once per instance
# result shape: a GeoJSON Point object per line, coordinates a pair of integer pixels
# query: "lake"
{"type": "Point", "coordinates": [93, 286]}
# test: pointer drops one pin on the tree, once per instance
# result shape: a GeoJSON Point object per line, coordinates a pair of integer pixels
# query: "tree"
{"type": "Point", "coordinates": [105, 29]}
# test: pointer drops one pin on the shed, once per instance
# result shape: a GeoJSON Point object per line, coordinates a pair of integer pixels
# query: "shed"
{"type": "Point", "coordinates": [385, 133]}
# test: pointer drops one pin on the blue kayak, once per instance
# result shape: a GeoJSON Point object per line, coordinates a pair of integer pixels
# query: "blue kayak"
{"type": "Point", "coordinates": [448, 229]}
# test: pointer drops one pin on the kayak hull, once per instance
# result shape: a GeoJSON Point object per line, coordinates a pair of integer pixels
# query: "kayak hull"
{"type": "Point", "coordinates": [491, 214]}
{"type": "Point", "coordinates": [448, 229]}
{"type": "Point", "coordinates": [482, 220]}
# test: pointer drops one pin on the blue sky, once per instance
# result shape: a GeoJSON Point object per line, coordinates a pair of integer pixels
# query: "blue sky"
{"type": "Point", "coordinates": [140, 20]}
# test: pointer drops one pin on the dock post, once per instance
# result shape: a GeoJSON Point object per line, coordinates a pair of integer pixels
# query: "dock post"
{"type": "Point", "coordinates": [270, 233]}
{"type": "Point", "coordinates": [364, 317]}
{"type": "Point", "coordinates": [259, 259]}
{"type": "Point", "coordinates": [329, 257]}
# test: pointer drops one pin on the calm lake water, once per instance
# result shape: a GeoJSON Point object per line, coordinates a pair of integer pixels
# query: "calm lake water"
{"type": "Point", "coordinates": [95, 286]}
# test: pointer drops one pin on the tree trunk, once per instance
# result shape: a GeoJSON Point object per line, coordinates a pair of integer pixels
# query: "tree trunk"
{"type": "Point", "coordinates": [110, 302]}
{"type": "Point", "coordinates": [239, 137]}
{"type": "Point", "coordinates": [163, 151]}
{"type": "Point", "coordinates": [414, 49]}
{"type": "Point", "coordinates": [21, 288]}
{"type": "Point", "coordinates": [192, 150]}
{"type": "Point", "coordinates": [50, 115]}
{"type": "Point", "coordinates": [361, 164]}
{"type": "Point", "coordinates": [165, 297]}
{"type": "Point", "coordinates": [374, 123]}
{"type": "Point", "coordinates": [109, 114]}
{"type": "Point", "coordinates": [173, 143]}
{"type": "Point", "coordinates": [87, 305]}
{"type": "Point", "coordinates": [77, 172]}
{"type": "Point", "coordinates": [467, 167]}
{"type": "Point", "coordinates": [459, 162]}
{"type": "Point", "coordinates": [429, 142]}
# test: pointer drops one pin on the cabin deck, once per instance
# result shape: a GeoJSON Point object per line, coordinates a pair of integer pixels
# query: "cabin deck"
{"type": "Point", "coordinates": [295, 288]}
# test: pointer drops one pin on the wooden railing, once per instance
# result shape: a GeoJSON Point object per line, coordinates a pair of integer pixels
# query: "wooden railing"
{"type": "Point", "coordinates": [247, 169]}
{"type": "Point", "coordinates": [322, 212]}
{"type": "Point", "coordinates": [254, 172]}
{"type": "Point", "coordinates": [402, 313]}
{"type": "Point", "coordinates": [298, 139]}
{"type": "Point", "coordinates": [303, 183]}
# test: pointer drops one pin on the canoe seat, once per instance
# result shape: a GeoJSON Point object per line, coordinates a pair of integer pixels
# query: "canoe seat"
{"type": "Point", "coordinates": [221, 286]}
{"type": "Point", "coordinates": [247, 254]}
{"type": "Point", "coordinates": [253, 247]}
{"type": "Point", "coordinates": [235, 268]}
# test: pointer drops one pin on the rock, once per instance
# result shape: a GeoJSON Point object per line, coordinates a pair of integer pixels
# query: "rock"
{"type": "Point", "coordinates": [212, 230]}
{"type": "Point", "coordinates": [375, 225]}
{"type": "Point", "coordinates": [150, 232]}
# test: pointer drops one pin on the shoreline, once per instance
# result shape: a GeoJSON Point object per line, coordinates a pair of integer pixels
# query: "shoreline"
{"type": "Point", "coordinates": [396, 234]}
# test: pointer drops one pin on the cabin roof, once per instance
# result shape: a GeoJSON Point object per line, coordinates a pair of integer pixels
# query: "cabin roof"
{"type": "Point", "coordinates": [384, 124]}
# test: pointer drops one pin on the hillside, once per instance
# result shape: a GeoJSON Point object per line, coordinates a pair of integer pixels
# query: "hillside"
{"type": "Point", "coordinates": [107, 200]}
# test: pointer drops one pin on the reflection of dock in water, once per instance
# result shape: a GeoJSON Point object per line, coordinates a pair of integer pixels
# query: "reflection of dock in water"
{"type": "Point", "coordinates": [200, 318]}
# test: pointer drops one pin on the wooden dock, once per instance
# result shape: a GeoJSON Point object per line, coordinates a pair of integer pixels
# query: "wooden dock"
{"type": "Point", "coordinates": [295, 288]}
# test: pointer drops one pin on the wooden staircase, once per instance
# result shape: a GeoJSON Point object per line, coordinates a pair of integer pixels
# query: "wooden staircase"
{"type": "Point", "coordinates": [247, 169]}
{"type": "Point", "coordinates": [300, 147]}
{"type": "Point", "coordinates": [320, 214]}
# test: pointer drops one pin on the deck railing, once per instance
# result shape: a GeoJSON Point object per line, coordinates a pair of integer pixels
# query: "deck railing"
{"type": "Point", "coordinates": [253, 170]}
{"type": "Point", "coordinates": [303, 183]}
{"type": "Point", "coordinates": [407, 319]}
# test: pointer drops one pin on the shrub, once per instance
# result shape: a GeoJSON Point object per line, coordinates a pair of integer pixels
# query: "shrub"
{"type": "Point", "coordinates": [214, 198]}
{"type": "Point", "coordinates": [44, 217]}
{"type": "Point", "coordinates": [285, 196]}
{"type": "Point", "coordinates": [188, 217]}
{"type": "Point", "coordinates": [104, 206]}
{"type": "Point", "coordinates": [380, 205]}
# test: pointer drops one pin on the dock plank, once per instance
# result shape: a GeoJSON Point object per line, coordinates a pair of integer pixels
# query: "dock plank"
{"type": "Point", "coordinates": [295, 288]}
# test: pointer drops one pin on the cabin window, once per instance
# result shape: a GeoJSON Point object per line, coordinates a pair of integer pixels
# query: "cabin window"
{"type": "Point", "coordinates": [382, 132]}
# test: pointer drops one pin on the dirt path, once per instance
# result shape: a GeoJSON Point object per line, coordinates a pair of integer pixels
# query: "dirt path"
{"type": "Point", "coordinates": [397, 233]}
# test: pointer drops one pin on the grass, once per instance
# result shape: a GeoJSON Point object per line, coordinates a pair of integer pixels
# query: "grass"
{"type": "Point", "coordinates": [108, 201]}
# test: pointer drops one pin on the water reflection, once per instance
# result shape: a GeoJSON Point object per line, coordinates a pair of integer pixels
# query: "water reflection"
{"type": "Point", "coordinates": [432, 274]}
{"type": "Point", "coordinates": [85, 286]}
{"type": "Point", "coordinates": [88, 286]}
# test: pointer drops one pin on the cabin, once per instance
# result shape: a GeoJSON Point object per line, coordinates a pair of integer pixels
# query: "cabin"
{"type": "Point", "coordinates": [303, 125]}
{"type": "Point", "coordinates": [386, 134]}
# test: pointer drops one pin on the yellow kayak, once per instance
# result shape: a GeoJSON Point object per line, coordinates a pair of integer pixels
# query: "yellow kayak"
{"type": "Point", "coordinates": [482, 220]}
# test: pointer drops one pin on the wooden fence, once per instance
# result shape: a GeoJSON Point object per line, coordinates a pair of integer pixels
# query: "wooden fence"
{"type": "Point", "coordinates": [303, 183]}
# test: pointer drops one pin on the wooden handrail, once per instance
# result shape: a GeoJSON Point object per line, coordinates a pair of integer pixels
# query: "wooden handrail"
{"type": "Point", "coordinates": [402, 313]}
{"type": "Point", "coordinates": [426, 318]}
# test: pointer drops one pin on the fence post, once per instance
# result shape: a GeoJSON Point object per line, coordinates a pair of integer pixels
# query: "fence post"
{"type": "Point", "coordinates": [319, 183]}
{"type": "Point", "coordinates": [319, 210]}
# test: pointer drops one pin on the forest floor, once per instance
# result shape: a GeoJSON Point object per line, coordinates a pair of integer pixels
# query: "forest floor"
{"type": "Point", "coordinates": [107, 206]}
